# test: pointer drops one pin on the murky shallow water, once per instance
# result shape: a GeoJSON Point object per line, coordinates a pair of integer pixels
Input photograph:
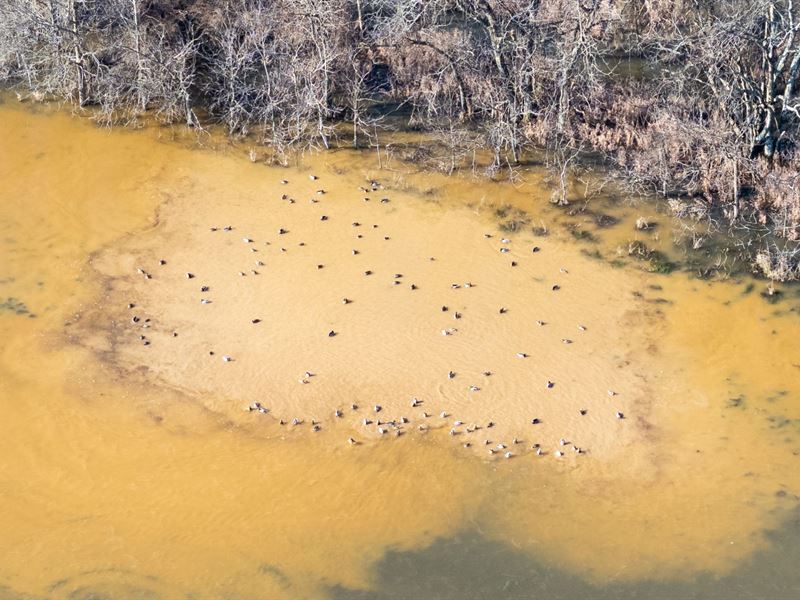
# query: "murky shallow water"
{"type": "Point", "coordinates": [116, 485]}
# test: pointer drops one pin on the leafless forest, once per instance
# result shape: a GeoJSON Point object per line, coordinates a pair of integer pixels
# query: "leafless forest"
{"type": "Point", "coordinates": [693, 99]}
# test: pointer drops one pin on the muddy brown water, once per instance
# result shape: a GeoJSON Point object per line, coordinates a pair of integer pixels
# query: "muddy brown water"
{"type": "Point", "coordinates": [132, 471]}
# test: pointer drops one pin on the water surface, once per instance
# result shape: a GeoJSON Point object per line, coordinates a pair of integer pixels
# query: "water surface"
{"type": "Point", "coordinates": [120, 479]}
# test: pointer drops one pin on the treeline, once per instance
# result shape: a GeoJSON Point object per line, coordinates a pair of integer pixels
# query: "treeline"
{"type": "Point", "coordinates": [706, 113]}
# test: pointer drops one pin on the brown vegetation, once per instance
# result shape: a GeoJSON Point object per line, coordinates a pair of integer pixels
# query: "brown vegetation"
{"type": "Point", "coordinates": [706, 113]}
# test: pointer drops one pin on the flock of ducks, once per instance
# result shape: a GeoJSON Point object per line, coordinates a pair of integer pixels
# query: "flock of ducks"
{"type": "Point", "coordinates": [390, 426]}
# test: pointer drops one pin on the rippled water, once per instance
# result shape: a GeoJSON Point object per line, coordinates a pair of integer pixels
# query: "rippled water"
{"type": "Point", "coordinates": [114, 484]}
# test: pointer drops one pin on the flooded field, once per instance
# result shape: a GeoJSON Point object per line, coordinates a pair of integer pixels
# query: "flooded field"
{"type": "Point", "coordinates": [556, 419]}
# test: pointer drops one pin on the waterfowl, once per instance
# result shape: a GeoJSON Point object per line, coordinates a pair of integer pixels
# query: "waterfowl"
{"type": "Point", "coordinates": [550, 384]}
{"type": "Point", "coordinates": [503, 310]}
{"type": "Point", "coordinates": [255, 321]}
{"type": "Point", "coordinates": [351, 441]}
{"type": "Point", "coordinates": [190, 276]}
{"type": "Point", "coordinates": [451, 374]}
{"type": "Point", "coordinates": [620, 415]}
{"type": "Point", "coordinates": [204, 288]}
{"type": "Point", "coordinates": [247, 240]}
{"type": "Point", "coordinates": [522, 355]}
{"type": "Point", "coordinates": [508, 454]}
{"type": "Point", "coordinates": [332, 333]}
{"type": "Point", "coordinates": [227, 358]}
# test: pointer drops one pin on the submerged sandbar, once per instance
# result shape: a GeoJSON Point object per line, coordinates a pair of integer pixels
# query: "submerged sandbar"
{"type": "Point", "coordinates": [307, 294]}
